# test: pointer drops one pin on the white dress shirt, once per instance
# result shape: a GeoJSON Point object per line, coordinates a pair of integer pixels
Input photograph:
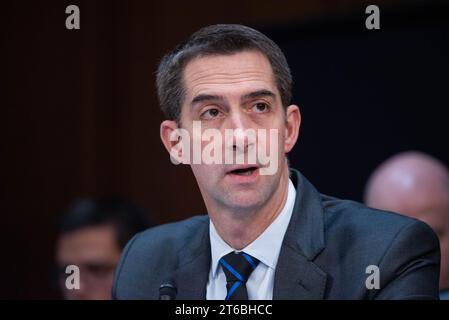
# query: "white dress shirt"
{"type": "Point", "coordinates": [265, 248]}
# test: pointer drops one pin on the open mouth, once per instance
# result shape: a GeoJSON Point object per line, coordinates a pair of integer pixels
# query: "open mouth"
{"type": "Point", "coordinates": [243, 171]}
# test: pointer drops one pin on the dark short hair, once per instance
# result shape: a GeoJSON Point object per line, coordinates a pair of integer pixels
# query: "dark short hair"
{"type": "Point", "coordinates": [220, 39]}
{"type": "Point", "coordinates": [127, 218]}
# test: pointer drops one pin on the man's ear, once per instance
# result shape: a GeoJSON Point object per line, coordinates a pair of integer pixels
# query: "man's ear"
{"type": "Point", "coordinates": [293, 123]}
{"type": "Point", "coordinates": [167, 130]}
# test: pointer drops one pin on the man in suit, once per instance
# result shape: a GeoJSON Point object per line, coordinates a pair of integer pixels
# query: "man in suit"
{"type": "Point", "coordinates": [267, 235]}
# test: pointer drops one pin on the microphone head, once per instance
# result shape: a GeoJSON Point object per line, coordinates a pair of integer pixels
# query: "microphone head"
{"type": "Point", "coordinates": [167, 290]}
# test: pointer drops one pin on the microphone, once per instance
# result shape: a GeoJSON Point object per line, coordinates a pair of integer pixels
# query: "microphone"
{"type": "Point", "coordinates": [167, 290]}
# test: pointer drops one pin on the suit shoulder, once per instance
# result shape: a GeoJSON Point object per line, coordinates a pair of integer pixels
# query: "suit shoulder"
{"type": "Point", "coordinates": [139, 270]}
{"type": "Point", "coordinates": [354, 218]}
{"type": "Point", "coordinates": [405, 250]}
{"type": "Point", "coordinates": [175, 233]}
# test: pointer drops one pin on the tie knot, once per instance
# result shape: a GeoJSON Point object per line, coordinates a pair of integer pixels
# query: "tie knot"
{"type": "Point", "coordinates": [238, 266]}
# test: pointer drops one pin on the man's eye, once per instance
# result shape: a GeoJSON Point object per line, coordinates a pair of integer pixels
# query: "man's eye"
{"type": "Point", "coordinates": [210, 114]}
{"type": "Point", "coordinates": [260, 107]}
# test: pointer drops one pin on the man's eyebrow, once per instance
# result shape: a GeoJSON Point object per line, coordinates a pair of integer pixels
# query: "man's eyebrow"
{"type": "Point", "coordinates": [258, 94]}
{"type": "Point", "coordinates": [252, 95]}
{"type": "Point", "coordinates": [206, 97]}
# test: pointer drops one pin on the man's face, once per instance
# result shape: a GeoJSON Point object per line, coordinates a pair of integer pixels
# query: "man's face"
{"type": "Point", "coordinates": [237, 91]}
{"type": "Point", "coordinates": [95, 251]}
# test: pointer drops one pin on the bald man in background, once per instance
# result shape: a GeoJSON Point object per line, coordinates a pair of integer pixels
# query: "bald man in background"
{"type": "Point", "coordinates": [417, 185]}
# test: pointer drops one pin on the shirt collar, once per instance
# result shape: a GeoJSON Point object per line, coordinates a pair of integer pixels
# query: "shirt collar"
{"type": "Point", "coordinates": [267, 246]}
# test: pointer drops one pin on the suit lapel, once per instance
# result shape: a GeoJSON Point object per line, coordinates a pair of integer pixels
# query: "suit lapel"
{"type": "Point", "coordinates": [296, 276]}
{"type": "Point", "coordinates": [194, 265]}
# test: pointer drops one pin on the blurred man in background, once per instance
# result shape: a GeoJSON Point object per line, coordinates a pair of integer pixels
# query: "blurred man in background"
{"type": "Point", "coordinates": [92, 235]}
{"type": "Point", "coordinates": [416, 185]}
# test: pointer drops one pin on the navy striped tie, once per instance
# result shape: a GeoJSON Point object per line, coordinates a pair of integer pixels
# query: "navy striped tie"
{"type": "Point", "coordinates": [237, 267]}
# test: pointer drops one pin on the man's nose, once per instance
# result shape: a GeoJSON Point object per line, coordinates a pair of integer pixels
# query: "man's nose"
{"type": "Point", "coordinates": [239, 125]}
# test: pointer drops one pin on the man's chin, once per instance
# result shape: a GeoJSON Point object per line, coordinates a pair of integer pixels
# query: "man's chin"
{"type": "Point", "coordinates": [243, 201]}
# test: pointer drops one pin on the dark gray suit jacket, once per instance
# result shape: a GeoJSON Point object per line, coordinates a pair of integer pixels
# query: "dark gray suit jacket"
{"type": "Point", "coordinates": [328, 245]}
